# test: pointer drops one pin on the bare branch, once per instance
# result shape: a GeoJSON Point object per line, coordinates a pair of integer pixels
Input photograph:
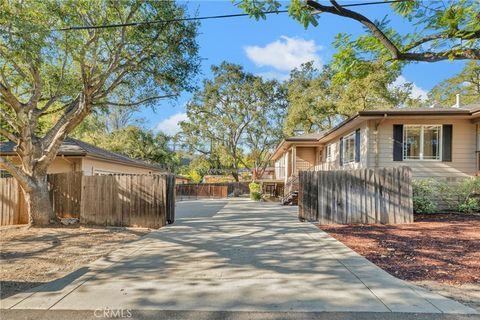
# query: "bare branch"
{"type": "Point", "coordinates": [397, 54]}
{"type": "Point", "coordinates": [9, 98]}
{"type": "Point", "coordinates": [9, 135]}
{"type": "Point", "coordinates": [22, 178]}
{"type": "Point", "coordinates": [8, 118]}
{"type": "Point", "coordinates": [137, 102]}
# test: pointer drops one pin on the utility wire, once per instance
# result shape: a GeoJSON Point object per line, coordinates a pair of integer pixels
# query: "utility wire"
{"type": "Point", "coordinates": [135, 24]}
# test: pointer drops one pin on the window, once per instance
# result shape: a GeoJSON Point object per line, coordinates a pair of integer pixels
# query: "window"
{"type": "Point", "coordinates": [421, 142]}
{"type": "Point", "coordinates": [330, 151]}
{"type": "Point", "coordinates": [349, 148]}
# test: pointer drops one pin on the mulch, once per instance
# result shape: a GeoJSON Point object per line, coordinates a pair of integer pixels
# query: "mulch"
{"type": "Point", "coordinates": [439, 247]}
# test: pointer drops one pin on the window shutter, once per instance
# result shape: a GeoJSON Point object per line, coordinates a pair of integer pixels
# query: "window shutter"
{"type": "Point", "coordinates": [340, 157]}
{"type": "Point", "coordinates": [447, 142]}
{"type": "Point", "coordinates": [397, 142]}
{"type": "Point", "coordinates": [357, 145]}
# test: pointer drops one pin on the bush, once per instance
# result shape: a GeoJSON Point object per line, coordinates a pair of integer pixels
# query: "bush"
{"type": "Point", "coordinates": [255, 191]}
{"type": "Point", "coordinates": [423, 196]}
{"type": "Point", "coordinates": [463, 196]}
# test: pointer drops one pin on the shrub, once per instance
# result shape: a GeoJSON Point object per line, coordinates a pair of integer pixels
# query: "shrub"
{"type": "Point", "coordinates": [463, 196]}
{"type": "Point", "coordinates": [423, 196]}
{"type": "Point", "coordinates": [255, 191]}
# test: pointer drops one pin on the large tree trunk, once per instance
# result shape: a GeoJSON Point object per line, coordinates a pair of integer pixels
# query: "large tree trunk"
{"type": "Point", "coordinates": [37, 198]}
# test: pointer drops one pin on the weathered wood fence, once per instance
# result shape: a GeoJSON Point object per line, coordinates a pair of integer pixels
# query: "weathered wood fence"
{"type": "Point", "coordinates": [381, 195]}
{"type": "Point", "coordinates": [110, 200]}
{"type": "Point", "coordinates": [196, 191]}
{"type": "Point", "coordinates": [12, 203]}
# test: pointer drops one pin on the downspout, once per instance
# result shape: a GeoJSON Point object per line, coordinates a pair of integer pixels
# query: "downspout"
{"type": "Point", "coordinates": [375, 132]}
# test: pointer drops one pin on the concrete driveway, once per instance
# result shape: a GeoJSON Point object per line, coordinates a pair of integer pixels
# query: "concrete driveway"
{"type": "Point", "coordinates": [235, 256]}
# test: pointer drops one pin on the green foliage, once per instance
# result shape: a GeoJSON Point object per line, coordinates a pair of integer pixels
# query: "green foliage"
{"type": "Point", "coordinates": [463, 196]}
{"type": "Point", "coordinates": [423, 196]}
{"type": "Point", "coordinates": [466, 83]}
{"type": "Point", "coordinates": [131, 140]}
{"type": "Point", "coordinates": [320, 99]}
{"type": "Point", "coordinates": [439, 30]}
{"type": "Point", "coordinates": [235, 119]}
{"type": "Point", "coordinates": [255, 191]}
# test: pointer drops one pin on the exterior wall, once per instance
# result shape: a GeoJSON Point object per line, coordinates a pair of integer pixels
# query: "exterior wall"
{"type": "Point", "coordinates": [463, 162]}
{"type": "Point", "coordinates": [305, 158]}
{"type": "Point", "coordinates": [280, 168]}
{"type": "Point", "coordinates": [93, 166]}
{"type": "Point", "coordinates": [59, 164]}
{"type": "Point", "coordinates": [334, 162]}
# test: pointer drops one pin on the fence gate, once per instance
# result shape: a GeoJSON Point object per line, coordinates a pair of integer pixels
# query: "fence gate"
{"type": "Point", "coordinates": [382, 195]}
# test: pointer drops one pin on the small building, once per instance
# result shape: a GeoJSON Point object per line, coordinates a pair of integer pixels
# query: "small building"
{"type": "Point", "coordinates": [76, 155]}
{"type": "Point", "coordinates": [437, 143]}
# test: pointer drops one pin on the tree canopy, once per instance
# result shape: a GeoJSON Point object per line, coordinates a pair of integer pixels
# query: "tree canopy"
{"type": "Point", "coordinates": [466, 83]}
{"type": "Point", "coordinates": [235, 119]}
{"type": "Point", "coordinates": [439, 30]}
{"type": "Point", "coordinates": [319, 99]}
{"type": "Point", "coordinates": [64, 75]}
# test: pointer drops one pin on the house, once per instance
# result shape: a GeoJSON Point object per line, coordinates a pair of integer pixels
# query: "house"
{"type": "Point", "coordinates": [75, 155]}
{"type": "Point", "coordinates": [179, 179]}
{"type": "Point", "coordinates": [438, 143]}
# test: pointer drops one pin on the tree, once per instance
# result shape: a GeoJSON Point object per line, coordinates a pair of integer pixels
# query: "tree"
{"type": "Point", "coordinates": [442, 30]}
{"type": "Point", "coordinates": [466, 83]}
{"type": "Point", "coordinates": [318, 100]}
{"type": "Point", "coordinates": [313, 100]}
{"type": "Point", "coordinates": [47, 72]}
{"type": "Point", "coordinates": [235, 119]}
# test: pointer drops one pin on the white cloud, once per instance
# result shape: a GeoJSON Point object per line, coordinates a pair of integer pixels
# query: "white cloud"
{"type": "Point", "coordinates": [171, 125]}
{"type": "Point", "coordinates": [285, 54]}
{"type": "Point", "coordinates": [417, 92]}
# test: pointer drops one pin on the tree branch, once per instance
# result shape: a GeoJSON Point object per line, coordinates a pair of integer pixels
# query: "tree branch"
{"type": "Point", "coordinates": [9, 135]}
{"type": "Point", "coordinates": [397, 54]}
{"type": "Point", "coordinates": [23, 179]}
{"type": "Point", "coordinates": [137, 102]}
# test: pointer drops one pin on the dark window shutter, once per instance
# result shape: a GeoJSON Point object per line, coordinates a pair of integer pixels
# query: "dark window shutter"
{"type": "Point", "coordinates": [357, 145]}
{"type": "Point", "coordinates": [447, 142]}
{"type": "Point", "coordinates": [397, 142]}
{"type": "Point", "coordinates": [340, 157]}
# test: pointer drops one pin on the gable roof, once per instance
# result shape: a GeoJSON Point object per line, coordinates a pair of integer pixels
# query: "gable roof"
{"type": "Point", "coordinates": [74, 147]}
{"type": "Point", "coordinates": [465, 110]}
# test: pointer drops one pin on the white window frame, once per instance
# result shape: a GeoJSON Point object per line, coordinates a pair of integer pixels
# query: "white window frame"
{"type": "Point", "coordinates": [350, 136]}
{"type": "Point", "coordinates": [422, 141]}
{"type": "Point", "coordinates": [330, 153]}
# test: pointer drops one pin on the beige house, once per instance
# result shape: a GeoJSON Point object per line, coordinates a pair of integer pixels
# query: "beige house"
{"type": "Point", "coordinates": [76, 155]}
{"type": "Point", "coordinates": [439, 143]}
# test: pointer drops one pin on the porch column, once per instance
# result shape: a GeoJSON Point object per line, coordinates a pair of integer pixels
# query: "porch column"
{"type": "Point", "coordinates": [294, 160]}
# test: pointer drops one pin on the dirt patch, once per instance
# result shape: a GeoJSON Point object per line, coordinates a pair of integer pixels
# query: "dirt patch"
{"type": "Point", "coordinates": [30, 257]}
{"type": "Point", "coordinates": [439, 251]}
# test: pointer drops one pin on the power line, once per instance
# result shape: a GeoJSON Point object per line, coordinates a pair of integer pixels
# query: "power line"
{"type": "Point", "coordinates": [135, 24]}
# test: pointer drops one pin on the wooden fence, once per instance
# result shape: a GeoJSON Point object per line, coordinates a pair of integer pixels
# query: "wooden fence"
{"type": "Point", "coordinates": [381, 195]}
{"type": "Point", "coordinates": [202, 190]}
{"type": "Point", "coordinates": [111, 200]}
{"type": "Point", "coordinates": [12, 203]}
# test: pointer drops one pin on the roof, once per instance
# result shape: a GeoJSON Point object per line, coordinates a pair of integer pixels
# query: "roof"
{"type": "Point", "coordinates": [438, 110]}
{"type": "Point", "coordinates": [306, 137]}
{"type": "Point", "coordinates": [74, 147]}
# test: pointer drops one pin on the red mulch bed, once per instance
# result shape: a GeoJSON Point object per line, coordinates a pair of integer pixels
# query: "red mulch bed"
{"type": "Point", "coordinates": [438, 247]}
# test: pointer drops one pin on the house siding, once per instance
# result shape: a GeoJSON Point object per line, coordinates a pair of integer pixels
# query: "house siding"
{"type": "Point", "coordinates": [305, 158]}
{"type": "Point", "coordinates": [93, 166]}
{"type": "Point", "coordinates": [463, 162]}
{"type": "Point", "coordinates": [334, 163]}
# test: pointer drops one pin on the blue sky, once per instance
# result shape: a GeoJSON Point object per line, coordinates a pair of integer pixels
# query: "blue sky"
{"type": "Point", "coordinates": [273, 46]}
